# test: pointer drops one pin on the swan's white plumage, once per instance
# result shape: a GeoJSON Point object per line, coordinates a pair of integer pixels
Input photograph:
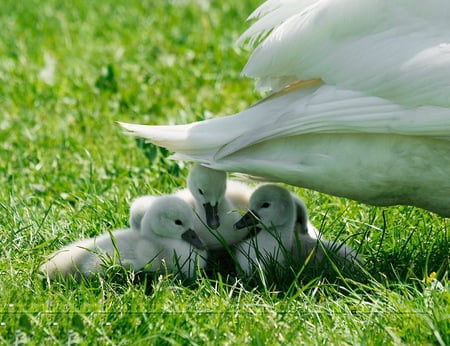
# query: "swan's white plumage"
{"type": "Point", "coordinates": [398, 50]}
{"type": "Point", "coordinates": [226, 195]}
{"type": "Point", "coordinates": [158, 245]}
{"type": "Point", "coordinates": [370, 119]}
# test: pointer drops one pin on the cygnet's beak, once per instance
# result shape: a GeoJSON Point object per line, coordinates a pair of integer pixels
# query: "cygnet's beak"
{"type": "Point", "coordinates": [250, 219]}
{"type": "Point", "coordinates": [192, 238]}
{"type": "Point", "coordinates": [212, 215]}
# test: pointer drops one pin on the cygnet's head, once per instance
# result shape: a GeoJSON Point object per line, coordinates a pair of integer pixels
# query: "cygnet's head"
{"type": "Point", "coordinates": [208, 187]}
{"type": "Point", "coordinates": [270, 205]}
{"type": "Point", "coordinates": [169, 217]}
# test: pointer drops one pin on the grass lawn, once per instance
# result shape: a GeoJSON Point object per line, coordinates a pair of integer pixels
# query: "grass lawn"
{"type": "Point", "coordinates": [68, 72]}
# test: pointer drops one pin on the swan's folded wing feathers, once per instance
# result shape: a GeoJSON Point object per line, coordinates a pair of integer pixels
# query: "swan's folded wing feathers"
{"type": "Point", "coordinates": [389, 49]}
{"type": "Point", "coordinates": [307, 86]}
{"type": "Point", "coordinates": [342, 111]}
{"type": "Point", "coordinates": [270, 15]}
{"type": "Point", "coordinates": [172, 137]}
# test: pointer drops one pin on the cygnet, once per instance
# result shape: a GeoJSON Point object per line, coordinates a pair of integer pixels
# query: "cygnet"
{"type": "Point", "coordinates": [283, 232]}
{"type": "Point", "coordinates": [165, 241]}
{"type": "Point", "coordinates": [216, 202]}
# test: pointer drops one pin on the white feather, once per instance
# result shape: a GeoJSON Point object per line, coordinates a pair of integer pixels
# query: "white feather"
{"type": "Point", "coordinates": [398, 50]}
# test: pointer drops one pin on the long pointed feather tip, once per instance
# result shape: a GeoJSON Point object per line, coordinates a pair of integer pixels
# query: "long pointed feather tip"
{"type": "Point", "coordinates": [130, 129]}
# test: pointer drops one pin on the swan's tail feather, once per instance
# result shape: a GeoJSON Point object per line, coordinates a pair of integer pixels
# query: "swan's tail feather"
{"type": "Point", "coordinates": [189, 142]}
{"type": "Point", "coordinates": [170, 137]}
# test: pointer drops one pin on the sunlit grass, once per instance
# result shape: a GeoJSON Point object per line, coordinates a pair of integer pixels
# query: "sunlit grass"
{"type": "Point", "coordinates": [68, 72]}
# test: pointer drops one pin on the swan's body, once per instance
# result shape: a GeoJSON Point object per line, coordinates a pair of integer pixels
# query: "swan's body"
{"type": "Point", "coordinates": [216, 202]}
{"type": "Point", "coordinates": [285, 233]}
{"type": "Point", "coordinates": [164, 241]}
{"type": "Point", "coordinates": [370, 119]}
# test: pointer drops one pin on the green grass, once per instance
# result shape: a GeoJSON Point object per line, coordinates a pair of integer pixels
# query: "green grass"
{"type": "Point", "coordinates": [67, 171]}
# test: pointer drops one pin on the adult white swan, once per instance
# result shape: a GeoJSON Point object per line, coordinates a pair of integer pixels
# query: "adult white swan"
{"type": "Point", "coordinates": [360, 105]}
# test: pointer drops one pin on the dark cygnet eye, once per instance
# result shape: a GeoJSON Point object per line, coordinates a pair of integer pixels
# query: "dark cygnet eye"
{"type": "Point", "coordinates": [178, 222]}
{"type": "Point", "coordinates": [265, 205]}
{"type": "Point", "coordinates": [200, 191]}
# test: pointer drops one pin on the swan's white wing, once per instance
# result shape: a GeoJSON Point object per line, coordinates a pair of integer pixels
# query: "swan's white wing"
{"type": "Point", "coordinates": [196, 138]}
{"type": "Point", "coordinates": [329, 109]}
{"type": "Point", "coordinates": [317, 109]}
{"type": "Point", "coordinates": [271, 14]}
{"type": "Point", "coordinates": [398, 50]}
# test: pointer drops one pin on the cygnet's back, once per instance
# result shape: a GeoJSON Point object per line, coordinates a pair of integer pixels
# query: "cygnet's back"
{"type": "Point", "coordinates": [310, 245]}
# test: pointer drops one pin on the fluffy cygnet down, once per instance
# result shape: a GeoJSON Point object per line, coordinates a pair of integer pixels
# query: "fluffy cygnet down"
{"type": "Point", "coordinates": [216, 202]}
{"type": "Point", "coordinates": [165, 241]}
{"type": "Point", "coordinates": [137, 210]}
{"type": "Point", "coordinates": [283, 232]}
